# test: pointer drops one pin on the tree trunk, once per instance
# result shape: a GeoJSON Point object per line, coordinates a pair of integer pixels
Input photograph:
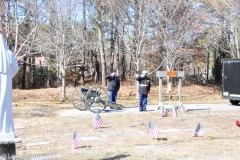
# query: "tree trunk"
{"type": "Point", "coordinates": [84, 42]}
{"type": "Point", "coordinates": [112, 47]}
{"type": "Point", "coordinates": [53, 14]}
{"type": "Point", "coordinates": [27, 50]}
{"type": "Point", "coordinates": [118, 52]}
{"type": "Point", "coordinates": [59, 77]}
{"type": "Point", "coordinates": [102, 54]}
{"type": "Point", "coordinates": [63, 73]}
{"type": "Point", "coordinates": [50, 81]}
{"type": "Point", "coordinates": [123, 65]}
{"type": "Point", "coordinates": [135, 42]}
{"type": "Point", "coordinates": [24, 72]}
{"type": "Point", "coordinates": [131, 67]}
{"type": "Point", "coordinates": [33, 84]}
{"type": "Point", "coordinates": [123, 55]}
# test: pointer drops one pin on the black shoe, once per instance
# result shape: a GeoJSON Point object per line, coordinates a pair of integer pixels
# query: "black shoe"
{"type": "Point", "coordinates": [140, 110]}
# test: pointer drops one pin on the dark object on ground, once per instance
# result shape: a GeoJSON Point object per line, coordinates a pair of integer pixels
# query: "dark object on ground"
{"type": "Point", "coordinates": [237, 123]}
{"type": "Point", "coordinates": [230, 80]}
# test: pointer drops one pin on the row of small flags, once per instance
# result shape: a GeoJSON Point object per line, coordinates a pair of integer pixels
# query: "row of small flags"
{"type": "Point", "coordinates": [97, 123]}
{"type": "Point", "coordinates": [164, 111]}
{"type": "Point", "coordinates": [153, 131]}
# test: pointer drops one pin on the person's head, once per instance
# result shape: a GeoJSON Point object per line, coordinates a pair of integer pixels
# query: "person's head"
{"type": "Point", "coordinates": [144, 73]}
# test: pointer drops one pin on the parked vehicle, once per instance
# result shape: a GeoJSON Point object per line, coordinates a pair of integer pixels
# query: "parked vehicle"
{"type": "Point", "coordinates": [231, 80]}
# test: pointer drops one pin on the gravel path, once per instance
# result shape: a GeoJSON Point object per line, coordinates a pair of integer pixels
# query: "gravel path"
{"type": "Point", "coordinates": [150, 108]}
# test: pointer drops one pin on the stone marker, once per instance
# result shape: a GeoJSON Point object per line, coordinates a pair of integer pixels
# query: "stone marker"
{"type": "Point", "coordinates": [89, 138]}
{"type": "Point", "coordinates": [36, 143]}
{"type": "Point", "coordinates": [47, 156]}
{"type": "Point", "coordinates": [93, 151]}
{"type": "Point", "coordinates": [175, 130]}
{"type": "Point", "coordinates": [8, 69]}
{"type": "Point", "coordinates": [146, 147]}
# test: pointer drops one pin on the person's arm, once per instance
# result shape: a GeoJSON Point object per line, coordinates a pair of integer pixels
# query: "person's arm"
{"type": "Point", "coordinates": [108, 76]}
{"type": "Point", "coordinates": [138, 78]}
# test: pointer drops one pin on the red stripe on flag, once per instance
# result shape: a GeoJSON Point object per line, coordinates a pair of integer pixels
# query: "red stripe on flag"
{"type": "Point", "coordinates": [76, 140]}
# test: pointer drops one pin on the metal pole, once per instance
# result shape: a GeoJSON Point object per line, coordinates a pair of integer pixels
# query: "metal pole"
{"type": "Point", "coordinates": [180, 90]}
{"type": "Point", "coordinates": [161, 75]}
{"type": "Point", "coordinates": [160, 92]}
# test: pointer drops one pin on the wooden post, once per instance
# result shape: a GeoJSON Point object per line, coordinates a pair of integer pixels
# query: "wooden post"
{"type": "Point", "coordinates": [161, 75]}
{"type": "Point", "coordinates": [180, 76]}
{"type": "Point", "coordinates": [172, 74]}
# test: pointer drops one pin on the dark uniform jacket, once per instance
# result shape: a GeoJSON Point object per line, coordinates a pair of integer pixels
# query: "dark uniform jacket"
{"type": "Point", "coordinates": [114, 83]}
{"type": "Point", "coordinates": [144, 85]}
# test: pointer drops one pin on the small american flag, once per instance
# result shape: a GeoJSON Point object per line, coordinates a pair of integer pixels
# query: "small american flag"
{"type": "Point", "coordinates": [163, 112]}
{"type": "Point", "coordinates": [174, 112]}
{"type": "Point", "coordinates": [76, 140]}
{"type": "Point", "coordinates": [182, 109]}
{"type": "Point", "coordinates": [199, 131]}
{"type": "Point", "coordinates": [152, 130]}
{"type": "Point", "coordinates": [97, 121]}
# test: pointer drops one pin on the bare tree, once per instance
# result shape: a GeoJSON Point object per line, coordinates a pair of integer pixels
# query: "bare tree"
{"type": "Point", "coordinates": [99, 14]}
{"type": "Point", "coordinates": [84, 42]}
{"type": "Point", "coordinates": [65, 41]}
{"type": "Point", "coordinates": [14, 15]}
{"type": "Point", "coordinates": [226, 16]}
{"type": "Point", "coordinates": [19, 22]}
{"type": "Point", "coordinates": [177, 24]}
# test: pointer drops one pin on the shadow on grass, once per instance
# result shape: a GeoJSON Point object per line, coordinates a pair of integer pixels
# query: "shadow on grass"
{"type": "Point", "coordinates": [83, 147]}
{"type": "Point", "coordinates": [162, 139]}
{"type": "Point", "coordinates": [104, 127]}
{"type": "Point", "coordinates": [149, 110]}
{"type": "Point", "coordinates": [132, 107]}
{"type": "Point", "coordinates": [113, 110]}
{"type": "Point", "coordinates": [116, 157]}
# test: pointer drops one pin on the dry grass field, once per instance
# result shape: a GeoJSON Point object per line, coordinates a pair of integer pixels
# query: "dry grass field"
{"type": "Point", "coordinates": [124, 135]}
{"type": "Point", "coordinates": [126, 95]}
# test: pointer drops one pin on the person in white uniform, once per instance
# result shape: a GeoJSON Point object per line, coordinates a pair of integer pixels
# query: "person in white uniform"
{"type": "Point", "coordinates": [8, 69]}
{"type": "Point", "coordinates": [143, 90]}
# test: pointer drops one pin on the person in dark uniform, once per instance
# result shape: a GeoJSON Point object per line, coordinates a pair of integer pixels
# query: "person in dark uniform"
{"type": "Point", "coordinates": [113, 86]}
{"type": "Point", "coordinates": [143, 90]}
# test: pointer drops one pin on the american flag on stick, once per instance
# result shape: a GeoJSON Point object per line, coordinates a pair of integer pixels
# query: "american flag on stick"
{"type": "Point", "coordinates": [152, 130]}
{"type": "Point", "coordinates": [199, 131]}
{"type": "Point", "coordinates": [97, 121]}
{"type": "Point", "coordinates": [174, 111]}
{"type": "Point", "coordinates": [163, 112]}
{"type": "Point", "coordinates": [182, 108]}
{"type": "Point", "coordinates": [76, 140]}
